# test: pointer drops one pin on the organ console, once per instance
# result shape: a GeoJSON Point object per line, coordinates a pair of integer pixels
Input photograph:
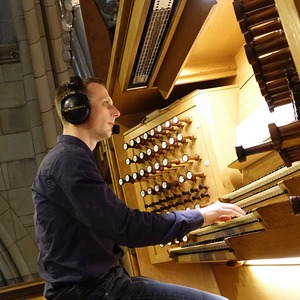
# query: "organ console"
{"type": "Point", "coordinates": [179, 187]}
{"type": "Point", "coordinates": [268, 53]}
{"type": "Point", "coordinates": [176, 171]}
{"type": "Point", "coordinates": [191, 159]}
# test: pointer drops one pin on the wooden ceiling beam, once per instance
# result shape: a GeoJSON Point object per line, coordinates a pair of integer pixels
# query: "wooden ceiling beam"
{"type": "Point", "coordinates": [98, 37]}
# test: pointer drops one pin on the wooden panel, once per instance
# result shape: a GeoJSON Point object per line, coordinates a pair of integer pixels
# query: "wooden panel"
{"type": "Point", "coordinates": [209, 70]}
{"type": "Point", "coordinates": [259, 166]}
{"type": "Point", "coordinates": [289, 16]}
{"type": "Point", "coordinates": [118, 43]}
{"type": "Point", "coordinates": [98, 37]}
{"type": "Point", "coordinates": [206, 60]}
{"type": "Point", "coordinates": [135, 29]}
{"type": "Point", "coordinates": [258, 282]}
{"type": "Point", "coordinates": [170, 35]}
{"type": "Point", "coordinates": [140, 10]}
{"type": "Point", "coordinates": [278, 215]}
{"type": "Point", "coordinates": [279, 240]}
{"type": "Point", "coordinates": [198, 276]}
{"type": "Point", "coordinates": [274, 243]}
{"type": "Point", "coordinates": [292, 185]}
{"type": "Point", "coordinates": [23, 291]}
{"type": "Point", "coordinates": [213, 53]}
{"type": "Point", "coordinates": [192, 19]}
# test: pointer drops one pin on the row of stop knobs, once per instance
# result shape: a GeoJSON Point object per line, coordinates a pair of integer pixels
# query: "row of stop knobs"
{"type": "Point", "coordinates": [173, 142]}
{"type": "Point", "coordinates": [144, 175]}
{"type": "Point", "coordinates": [153, 145]}
{"type": "Point", "coordinates": [159, 133]}
{"type": "Point", "coordinates": [142, 157]}
{"type": "Point", "coordinates": [180, 200]}
{"type": "Point", "coordinates": [157, 168]}
{"type": "Point", "coordinates": [165, 185]}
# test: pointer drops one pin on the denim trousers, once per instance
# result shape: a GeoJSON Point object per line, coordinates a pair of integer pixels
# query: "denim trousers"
{"type": "Point", "coordinates": [119, 285]}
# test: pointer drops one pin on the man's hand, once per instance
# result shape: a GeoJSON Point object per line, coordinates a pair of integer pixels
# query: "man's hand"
{"type": "Point", "coordinates": [220, 212]}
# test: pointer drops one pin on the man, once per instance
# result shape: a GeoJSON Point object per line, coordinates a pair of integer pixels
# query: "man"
{"type": "Point", "coordinates": [80, 222]}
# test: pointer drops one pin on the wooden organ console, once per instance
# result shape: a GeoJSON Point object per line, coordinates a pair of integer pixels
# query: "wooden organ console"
{"type": "Point", "coordinates": [269, 213]}
{"type": "Point", "coordinates": [178, 158]}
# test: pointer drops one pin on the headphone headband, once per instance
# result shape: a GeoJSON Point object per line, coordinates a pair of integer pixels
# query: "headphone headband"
{"type": "Point", "coordinates": [75, 83]}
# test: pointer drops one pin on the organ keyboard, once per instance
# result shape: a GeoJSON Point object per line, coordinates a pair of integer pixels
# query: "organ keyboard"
{"type": "Point", "coordinates": [225, 227]}
{"type": "Point", "coordinates": [214, 242]}
{"type": "Point", "coordinates": [211, 243]}
{"type": "Point", "coordinates": [262, 183]}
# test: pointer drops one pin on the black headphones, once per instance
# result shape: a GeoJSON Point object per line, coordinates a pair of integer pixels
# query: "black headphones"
{"type": "Point", "coordinates": [75, 107]}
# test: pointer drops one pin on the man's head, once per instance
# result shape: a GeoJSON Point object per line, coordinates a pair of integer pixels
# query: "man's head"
{"type": "Point", "coordinates": [86, 106]}
{"type": "Point", "coordinates": [71, 100]}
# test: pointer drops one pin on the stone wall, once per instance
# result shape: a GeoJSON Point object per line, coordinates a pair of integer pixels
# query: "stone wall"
{"type": "Point", "coordinates": [17, 170]}
{"type": "Point", "coordinates": [28, 128]}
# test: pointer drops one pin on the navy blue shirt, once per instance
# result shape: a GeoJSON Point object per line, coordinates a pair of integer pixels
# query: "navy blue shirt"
{"type": "Point", "coordinates": [80, 222]}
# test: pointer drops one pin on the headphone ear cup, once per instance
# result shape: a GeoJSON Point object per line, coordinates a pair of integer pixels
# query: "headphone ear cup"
{"type": "Point", "coordinates": [76, 108]}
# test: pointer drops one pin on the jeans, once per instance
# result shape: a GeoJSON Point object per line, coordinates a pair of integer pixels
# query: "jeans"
{"type": "Point", "coordinates": [119, 285]}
